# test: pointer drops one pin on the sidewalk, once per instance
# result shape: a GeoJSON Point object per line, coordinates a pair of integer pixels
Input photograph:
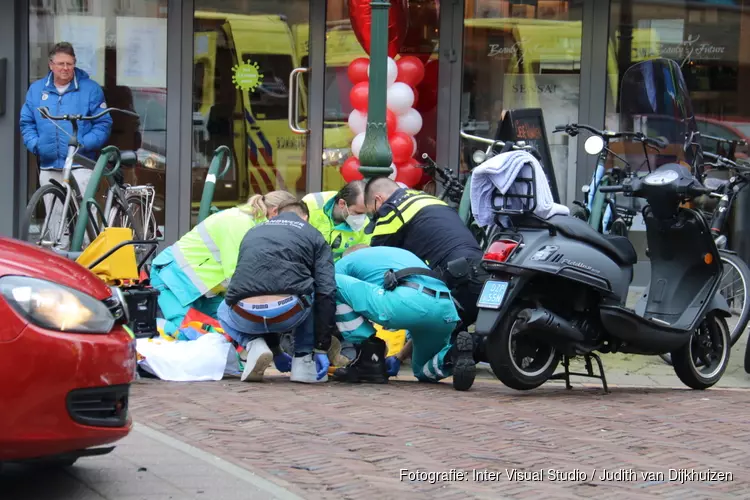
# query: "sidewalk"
{"type": "Point", "coordinates": [146, 465]}
{"type": "Point", "coordinates": [343, 441]}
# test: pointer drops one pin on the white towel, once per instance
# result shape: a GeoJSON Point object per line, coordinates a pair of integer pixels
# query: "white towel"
{"type": "Point", "coordinates": [496, 177]}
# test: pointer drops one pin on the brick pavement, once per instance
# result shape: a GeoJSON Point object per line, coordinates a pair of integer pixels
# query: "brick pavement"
{"type": "Point", "coordinates": [343, 441]}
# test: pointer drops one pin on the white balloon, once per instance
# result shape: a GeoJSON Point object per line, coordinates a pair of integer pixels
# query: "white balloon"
{"type": "Point", "coordinates": [410, 122]}
{"type": "Point", "coordinates": [357, 121]}
{"type": "Point", "coordinates": [357, 142]}
{"type": "Point", "coordinates": [392, 176]}
{"type": "Point", "coordinates": [392, 72]}
{"type": "Point", "coordinates": [414, 151]}
{"type": "Point", "coordinates": [399, 98]}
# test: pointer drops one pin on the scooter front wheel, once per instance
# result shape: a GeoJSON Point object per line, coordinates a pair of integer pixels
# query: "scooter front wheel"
{"type": "Point", "coordinates": [701, 362]}
{"type": "Point", "coordinates": [516, 360]}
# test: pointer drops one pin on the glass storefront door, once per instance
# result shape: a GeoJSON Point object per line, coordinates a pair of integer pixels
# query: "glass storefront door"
{"type": "Point", "coordinates": [249, 95]}
{"type": "Point", "coordinates": [523, 54]}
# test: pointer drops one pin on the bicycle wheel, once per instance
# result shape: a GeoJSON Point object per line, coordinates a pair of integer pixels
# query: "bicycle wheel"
{"type": "Point", "coordinates": [43, 216]}
{"type": "Point", "coordinates": [118, 217]}
{"type": "Point", "coordinates": [734, 288]}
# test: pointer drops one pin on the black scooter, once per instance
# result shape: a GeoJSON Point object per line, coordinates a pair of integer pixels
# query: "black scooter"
{"type": "Point", "coordinates": [558, 288]}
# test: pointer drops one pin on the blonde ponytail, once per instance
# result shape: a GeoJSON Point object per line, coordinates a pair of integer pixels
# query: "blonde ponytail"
{"type": "Point", "coordinates": [258, 205]}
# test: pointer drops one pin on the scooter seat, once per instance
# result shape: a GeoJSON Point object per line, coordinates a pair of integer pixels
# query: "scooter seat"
{"type": "Point", "coordinates": [618, 248]}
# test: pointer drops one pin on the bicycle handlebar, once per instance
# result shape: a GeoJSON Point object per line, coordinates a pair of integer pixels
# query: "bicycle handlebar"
{"type": "Point", "coordinates": [44, 111]}
{"type": "Point", "coordinates": [492, 142]}
{"type": "Point", "coordinates": [726, 162]}
{"type": "Point", "coordinates": [572, 130]}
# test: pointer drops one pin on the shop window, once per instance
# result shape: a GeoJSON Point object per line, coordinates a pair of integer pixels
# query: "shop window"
{"type": "Point", "coordinates": [709, 40]}
{"type": "Point", "coordinates": [518, 55]}
{"type": "Point", "coordinates": [122, 47]}
{"type": "Point", "coordinates": [342, 47]}
{"type": "Point", "coordinates": [243, 56]}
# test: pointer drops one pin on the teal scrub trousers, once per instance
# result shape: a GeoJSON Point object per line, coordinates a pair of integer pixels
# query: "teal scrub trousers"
{"type": "Point", "coordinates": [177, 294]}
{"type": "Point", "coordinates": [429, 320]}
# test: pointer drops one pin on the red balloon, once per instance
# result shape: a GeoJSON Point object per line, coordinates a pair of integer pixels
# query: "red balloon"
{"type": "Point", "coordinates": [401, 147]}
{"type": "Point", "coordinates": [357, 70]}
{"type": "Point", "coordinates": [360, 15]}
{"type": "Point", "coordinates": [409, 172]}
{"type": "Point", "coordinates": [410, 70]}
{"type": "Point", "coordinates": [390, 122]}
{"type": "Point", "coordinates": [416, 99]}
{"type": "Point", "coordinates": [350, 170]}
{"type": "Point", "coordinates": [359, 95]}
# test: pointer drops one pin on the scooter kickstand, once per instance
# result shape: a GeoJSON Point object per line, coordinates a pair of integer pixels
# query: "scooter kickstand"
{"type": "Point", "coordinates": [564, 376]}
{"type": "Point", "coordinates": [590, 369]}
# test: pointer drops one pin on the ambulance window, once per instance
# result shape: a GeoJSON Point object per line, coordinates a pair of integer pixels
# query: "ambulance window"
{"type": "Point", "coordinates": [270, 100]}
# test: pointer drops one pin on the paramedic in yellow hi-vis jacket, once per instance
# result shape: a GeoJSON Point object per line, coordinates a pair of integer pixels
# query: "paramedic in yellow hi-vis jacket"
{"type": "Point", "coordinates": [195, 271]}
{"type": "Point", "coordinates": [340, 217]}
{"type": "Point", "coordinates": [393, 287]}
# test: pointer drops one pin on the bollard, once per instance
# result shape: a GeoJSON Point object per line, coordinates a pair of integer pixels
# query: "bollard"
{"type": "Point", "coordinates": [213, 175]}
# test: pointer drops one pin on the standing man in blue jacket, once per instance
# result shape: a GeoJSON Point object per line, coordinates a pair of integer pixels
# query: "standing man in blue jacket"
{"type": "Point", "coordinates": [66, 90]}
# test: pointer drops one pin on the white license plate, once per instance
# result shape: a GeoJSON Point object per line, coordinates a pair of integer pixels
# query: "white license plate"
{"type": "Point", "coordinates": [493, 294]}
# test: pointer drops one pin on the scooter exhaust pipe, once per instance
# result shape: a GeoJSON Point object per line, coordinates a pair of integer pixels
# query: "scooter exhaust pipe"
{"type": "Point", "coordinates": [549, 322]}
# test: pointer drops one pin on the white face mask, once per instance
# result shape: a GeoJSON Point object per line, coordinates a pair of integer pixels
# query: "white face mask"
{"type": "Point", "coordinates": [356, 222]}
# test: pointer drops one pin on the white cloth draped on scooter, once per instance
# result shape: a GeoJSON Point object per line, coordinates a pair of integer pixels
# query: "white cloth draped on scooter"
{"type": "Point", "coordinates": [496, 178]}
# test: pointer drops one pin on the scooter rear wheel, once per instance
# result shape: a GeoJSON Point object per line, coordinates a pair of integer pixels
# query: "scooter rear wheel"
{"type": "Point", "coordinates": [516, 361]}
{"type": "Point", "coordinates": [701, 362]}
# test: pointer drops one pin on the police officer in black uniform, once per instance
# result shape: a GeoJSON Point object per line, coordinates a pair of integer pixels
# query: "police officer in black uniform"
{"type": "Point", "coordinates": [429, 228]}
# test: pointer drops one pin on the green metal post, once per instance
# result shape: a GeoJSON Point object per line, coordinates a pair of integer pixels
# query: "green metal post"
{"type": "Point", "coordinates": [375, 156]}
{"type": "Point", "coordinates": [90, 195]}
{"type": "Point", "coordinates": [213, 175]}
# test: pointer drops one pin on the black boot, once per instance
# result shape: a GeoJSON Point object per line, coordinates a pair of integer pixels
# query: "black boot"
{"type": "Point", "coordinates": [368, 365]}
{"type": "Point", "coordinates": [464, 366]}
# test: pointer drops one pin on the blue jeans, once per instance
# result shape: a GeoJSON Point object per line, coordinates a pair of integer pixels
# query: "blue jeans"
{"type": "Point", "coordinates": [243, 330]}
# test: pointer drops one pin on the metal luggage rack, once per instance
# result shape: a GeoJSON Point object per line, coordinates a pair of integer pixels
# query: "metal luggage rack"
{"type": "Point", "coordinates": [526, 201]}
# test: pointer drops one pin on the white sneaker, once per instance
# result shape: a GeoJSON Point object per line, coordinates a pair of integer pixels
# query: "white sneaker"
{"type": "Point", "coordinates": [303, 370]}
{"type": "Point", "coordinates": [259, 358]}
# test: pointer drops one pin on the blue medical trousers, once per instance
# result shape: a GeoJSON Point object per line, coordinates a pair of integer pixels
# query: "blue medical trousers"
{"type": "Point", "coordinates": [429, 320]}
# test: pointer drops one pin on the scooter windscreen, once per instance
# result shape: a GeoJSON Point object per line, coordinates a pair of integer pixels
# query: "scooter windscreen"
{"type": "Point", "coordinates": [654, 100]}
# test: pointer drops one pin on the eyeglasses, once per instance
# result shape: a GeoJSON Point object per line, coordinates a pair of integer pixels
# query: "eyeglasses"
{"type": "Point", "coordinates": [63, 64]}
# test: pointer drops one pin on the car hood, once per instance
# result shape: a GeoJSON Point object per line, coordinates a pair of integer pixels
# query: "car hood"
{"type": "Point", "coordinates": [23, 259]}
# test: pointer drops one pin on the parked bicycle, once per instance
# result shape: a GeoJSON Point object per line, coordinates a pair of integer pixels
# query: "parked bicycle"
{"type": "Point", "coordinates": [53, 217]}
{"type": "Point", "coordinates": [600, 209]}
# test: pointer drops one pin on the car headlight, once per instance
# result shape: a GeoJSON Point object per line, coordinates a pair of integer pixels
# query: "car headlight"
{"type": "Point", "coordinates": [56, 307]}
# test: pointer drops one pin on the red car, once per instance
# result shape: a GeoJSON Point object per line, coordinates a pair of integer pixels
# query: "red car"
{"type": "Point", "coordinates": [66, 360]}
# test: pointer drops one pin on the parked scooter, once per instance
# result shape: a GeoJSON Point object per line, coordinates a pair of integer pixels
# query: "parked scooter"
{"type": "Point", "coordinates": [558, 287]}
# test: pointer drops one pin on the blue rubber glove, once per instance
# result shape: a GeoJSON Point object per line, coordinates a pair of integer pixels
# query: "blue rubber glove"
{"type": "Point", "coordinates": [283, 362]}
{"type": "Point", "coordinates": [393, 365]}
{"type": "Point", "coordinates": [321, 364]}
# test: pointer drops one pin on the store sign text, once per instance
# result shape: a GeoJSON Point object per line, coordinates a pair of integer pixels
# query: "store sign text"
{"type": "Point", "coordinates": [687, 51]}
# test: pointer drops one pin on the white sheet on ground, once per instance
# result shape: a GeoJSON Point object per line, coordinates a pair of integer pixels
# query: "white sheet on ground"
{"type": "Point", "coordinates": [209, 357]}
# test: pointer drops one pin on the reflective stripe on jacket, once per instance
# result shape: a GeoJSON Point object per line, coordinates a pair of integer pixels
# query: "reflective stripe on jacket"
{"type": "Point", "coordinates": [338, 236]}
{"type": "Point", "coordinates": [208, 253]}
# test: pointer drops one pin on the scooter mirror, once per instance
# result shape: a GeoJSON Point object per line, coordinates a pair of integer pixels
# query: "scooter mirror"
{"type": "Point", "coordinates": [594, 145]}
{"type": "Point", "coordinates": [479, 156]}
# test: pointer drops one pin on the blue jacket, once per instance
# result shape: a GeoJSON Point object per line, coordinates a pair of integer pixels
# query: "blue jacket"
{"type": "Point", "coordinates": [85, 97]}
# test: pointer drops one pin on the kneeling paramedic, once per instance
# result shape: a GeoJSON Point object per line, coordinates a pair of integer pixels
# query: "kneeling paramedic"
{"type": "Point", "coordinates": [340, 217]}
{"type": "Point", "coordinates": [284, 282]}
{"type": "Point", "coordinates": [394, 288]}
{"type": "Point", "coordinates": [195, 271]}
{"type": "Point", "coordinates": [433, 231]}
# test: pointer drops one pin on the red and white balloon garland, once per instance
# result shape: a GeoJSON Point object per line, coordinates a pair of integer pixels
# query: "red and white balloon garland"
{"type": "Point", "coordinates": [403, 122]}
